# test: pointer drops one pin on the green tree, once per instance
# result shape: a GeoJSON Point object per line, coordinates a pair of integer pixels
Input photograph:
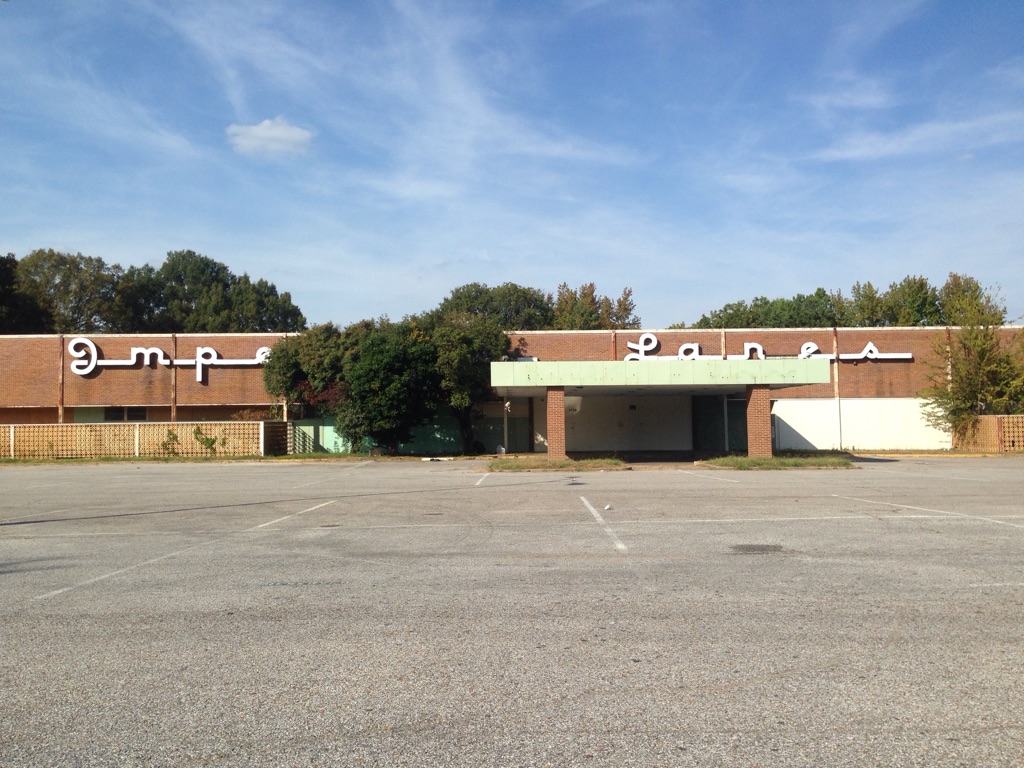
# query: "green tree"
{"type": "Point", "coordinates": [912, 301]}
{"type": "Point", "coordinates": [78, 293]}
{"type": "Point", "coordinates": [201, 295]}
{"type": "Point", "coordinates": [582, 309]}
{"type": "Point", "coordinates": [982, 369]}
{"type": "Point", "coordinates": [19, 313]}
{"type": "Point", "coordinates": [983, 375]}
{"type": "Point", "coordinates": [257, 307]}
{"type": "Point", "coordinates": [866, 306]}
{"type": "Point", "coordinates": [139, 302]}
{"type": "Point", "coordinates": [963, 301]}
{"type": "Point", "coordinates": [196, 292]}
{"type": "Point", "coordinates": [512, 307]}
{"type": "Point", "coordinates": [734, 315]}
{"type": "Point", "coordinates": [465, 346]}
{"type": "Point", "coordinates": [391, 385]}
{"type": "Point", "coordinates": [309, 368]}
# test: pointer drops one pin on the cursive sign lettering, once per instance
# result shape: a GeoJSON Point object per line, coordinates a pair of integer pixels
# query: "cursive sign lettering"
{"type": "Point", "coordinates": [870, 352]}
{"type": "Point", "coordinates": [647, 346]}
{"type": "Point", "coordinates": [87, 358]}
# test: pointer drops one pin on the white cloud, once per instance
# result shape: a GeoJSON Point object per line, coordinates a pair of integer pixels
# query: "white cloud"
{"type": "Point", "coordinates": [271, 137]}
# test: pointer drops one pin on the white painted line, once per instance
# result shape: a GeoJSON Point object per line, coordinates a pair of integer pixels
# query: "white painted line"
{"type": "Point", "coordinates": [611, 534]}
{"type": "Point", "coordinates": [122, 570]}
{"type": "Point", "coordinates": [39, 514]}
{"type": "Point", "coordinates": [169, 555]}
{"type": "Point", "coordinates": [332, 477]}
{"type": "Point", "coordinates": [482, 479]}
{"type": "Point", "coordinates": [707, 476]}
{"type": "Point", "coordinates": [922, 474]}
{"type": "Point", "coordinates": [926, 509]}
{"type": "Point", "coordinates": [289, 517]}
{"type": "Point", "coordinates": [1008, 584]}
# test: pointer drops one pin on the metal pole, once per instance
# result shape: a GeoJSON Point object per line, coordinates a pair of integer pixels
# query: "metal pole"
{"type": "Point", "coordinates": [506, 406]}
{"type": "Point", "coordinates": [839, 403]}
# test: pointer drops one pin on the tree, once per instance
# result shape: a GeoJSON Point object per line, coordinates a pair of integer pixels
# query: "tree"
{"type": "Point", "coordinates": [983, 375]}
{"type": "Point", "coordinates": [465, 346]}
{"type": "Point", "coordinates": [820, 309]}
{"type": "Point", "coordinates": [983, 367]}
{"type": "Point", "coordinates": [734, 315]}
{"type": "Point", "coordinates": [512, 307]}
{"type": "Point", "coordinates": [258, 307]}
{"type": "Point", "coordinates": [196, 294]}
{"type": "Point", "coordinates": [582, 309]}
{"type": "Point", "coordinates": [963, 301]}
{"type": "Point", "coordinates": [866, 307]}
{"type": "Point", "coordinates": [19, 313]}
{"type": "Point", "coordinates": [391, 385]}
{"type": "Point", "coordinates": [201, 295]}
{"type": "Point", "coordinates": [139, 302]}
{"type": "Point", "coordinates": [78, 293]}
{"type": "Point", "coordinates": [912, 301]}
{"type": "Point", "coordinates": [309, 369]}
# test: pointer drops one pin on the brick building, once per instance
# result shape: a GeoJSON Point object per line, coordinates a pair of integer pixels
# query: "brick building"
{"type": "Point", "coordinates": [706, 391]}
{"type": "Point", "coordinates": [164, 378]}
{"type": "Point", "coordinates": [672, 391]}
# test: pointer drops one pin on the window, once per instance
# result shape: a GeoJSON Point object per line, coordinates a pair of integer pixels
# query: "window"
{"type": "Point", "coordinates": [120, 413]}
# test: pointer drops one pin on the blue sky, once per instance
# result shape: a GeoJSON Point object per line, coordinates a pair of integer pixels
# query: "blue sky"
{"type": "Point", "coordinates": [369, 157]}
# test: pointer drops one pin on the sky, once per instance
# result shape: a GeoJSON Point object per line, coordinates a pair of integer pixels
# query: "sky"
{"type": "Point", "coordinates": [369, 157]}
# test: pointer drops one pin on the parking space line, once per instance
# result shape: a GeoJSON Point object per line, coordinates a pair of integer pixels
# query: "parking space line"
{"type": "Point", "coordinates": [289, 517]}
{"type": "Point", "coordinates": [927, 509]}
{"type": "Point", "coordinates": [119, 571]}
{"type": "Point", "coordinates": [332, 477]}
{"type": "Point", "coordinates": [611, 534]}
{"type": "Point", "coordinates": [707, 476]}
{"type": "Point", "coordinates": [134, 566]}
{"type": "Point", "coordinates": [35, 514]}
{"type": "Point", "coordinates": [1003, 584]}
{"type": "Point", "coordinates": [482, 479]}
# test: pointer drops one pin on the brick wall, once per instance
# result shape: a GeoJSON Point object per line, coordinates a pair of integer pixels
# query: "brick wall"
{"type": "Point", "coordinates": [31, 375]}
{"type": "Point", "coordinates": [759, 420]}
{"type": "Point", "coordinates": [30, 371]}
{"type": "Point", "coordinates": [556, 422]}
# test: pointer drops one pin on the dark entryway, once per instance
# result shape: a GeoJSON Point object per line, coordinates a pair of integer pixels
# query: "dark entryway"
{"type": "Point", "coordinates": [709, 423]}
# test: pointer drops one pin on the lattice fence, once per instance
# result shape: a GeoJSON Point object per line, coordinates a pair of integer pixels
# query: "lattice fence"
{"type": "Point", "coordinates": [72, 441]}
{"type": "Point", "coordinates": [1012, 433]}
{"type": "Point", "coordinates": [995, 434]}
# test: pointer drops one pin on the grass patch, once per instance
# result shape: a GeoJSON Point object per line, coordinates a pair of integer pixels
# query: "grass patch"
{"type": "Point", "coordinates": [786, 460]}
{"type": "Point", "coordinates": [540, 464]}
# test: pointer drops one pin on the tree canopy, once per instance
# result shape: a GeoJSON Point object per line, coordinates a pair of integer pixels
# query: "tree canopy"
{"type": "Point", "coordinates": [583, 309]}
{"type": "Point", "coordinates": [911, 302]}
{"type": "Point", "coordinates": [980, 370]}
{"type": "Point", "coordinates": [19, 311]}
{"type": "Point", "coordinates": [55, 292]}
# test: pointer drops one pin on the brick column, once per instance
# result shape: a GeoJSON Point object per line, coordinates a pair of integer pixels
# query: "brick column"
{"type": "Point", "coordinates": [759, 420]}
{"type": "Point", "coordinates": [556, 423]}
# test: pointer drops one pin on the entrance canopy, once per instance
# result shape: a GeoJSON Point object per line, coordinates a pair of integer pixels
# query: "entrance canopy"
{"type": "Point", "coordinates": [655, 377]}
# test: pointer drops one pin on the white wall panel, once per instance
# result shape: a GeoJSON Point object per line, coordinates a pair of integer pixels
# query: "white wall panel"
{"type": "Point", "coordinates": [631, 424]}
{"type": "Point", "coordinates": [867, 424]}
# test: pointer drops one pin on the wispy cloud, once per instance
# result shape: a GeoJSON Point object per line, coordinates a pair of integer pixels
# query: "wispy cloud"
{"type": "Point", "coordinates": [270, 137]}
{"type": "Point", "coordinates": [938, 136]}
{"type": "Point", "coordinates": [850, 91]}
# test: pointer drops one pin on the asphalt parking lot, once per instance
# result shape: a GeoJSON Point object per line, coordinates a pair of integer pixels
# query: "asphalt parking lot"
{"type": "Point", "coordinates": [432, 614]}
